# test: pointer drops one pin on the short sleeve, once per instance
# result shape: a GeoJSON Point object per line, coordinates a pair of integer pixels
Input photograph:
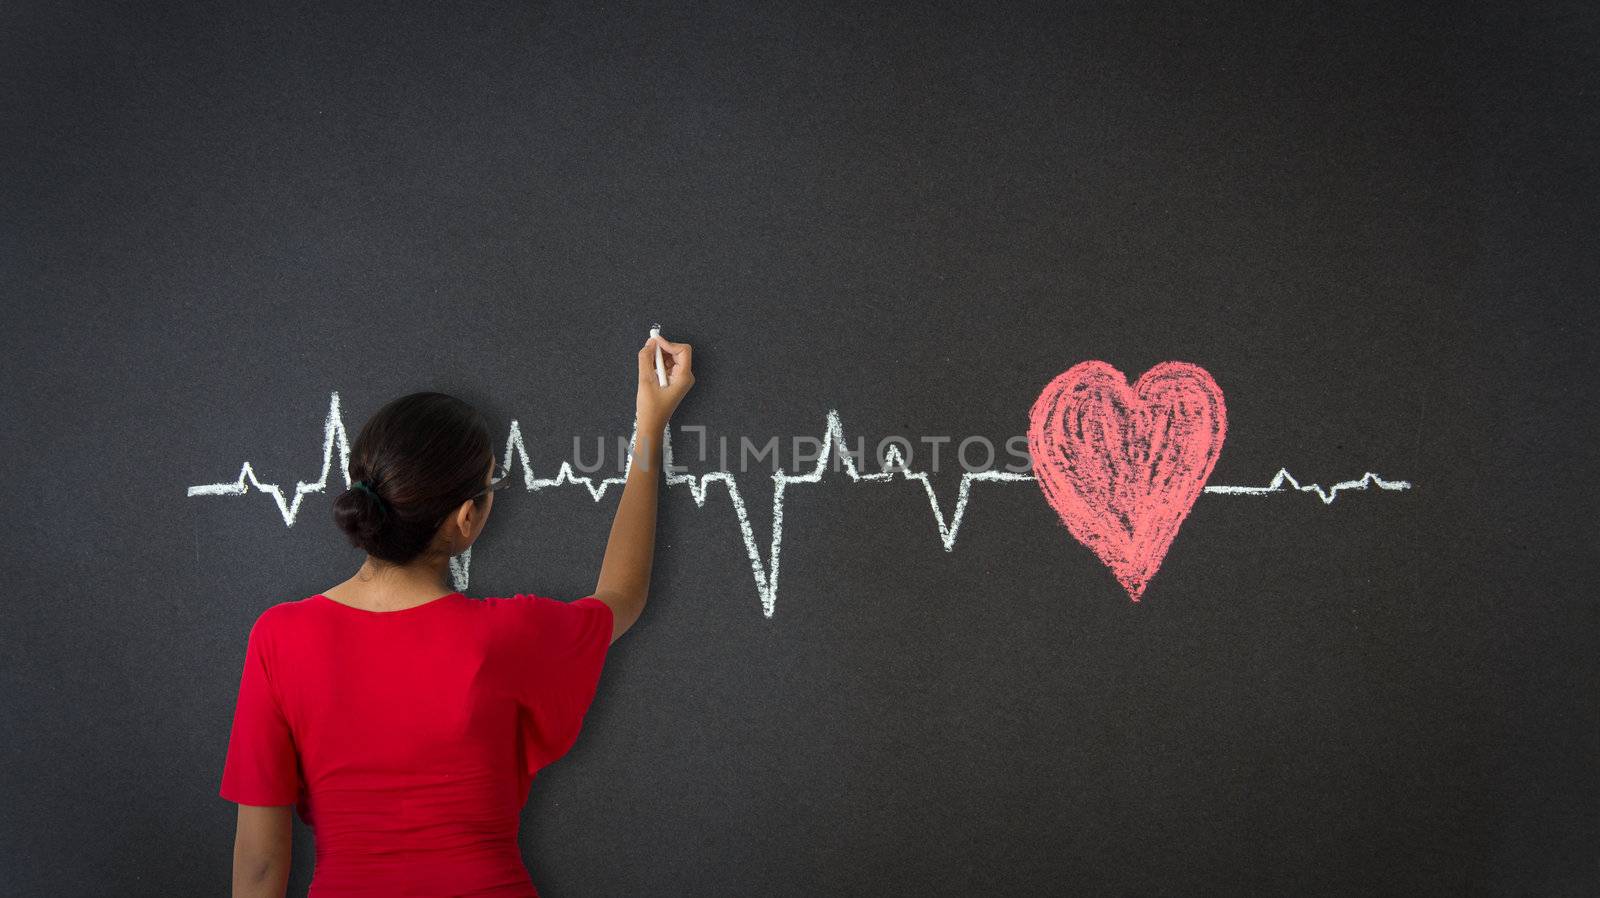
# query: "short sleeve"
{"type": "Point", "coordinates": [558, 650]}
{"type": "Point", "coordinates": [262, 767]}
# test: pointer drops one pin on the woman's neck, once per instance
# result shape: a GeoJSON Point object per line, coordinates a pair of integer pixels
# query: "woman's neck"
{"type": "Point", "coordinates": [389, 586]}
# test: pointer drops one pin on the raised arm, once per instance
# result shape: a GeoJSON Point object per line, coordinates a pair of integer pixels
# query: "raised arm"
{"type": "Point", "coordinates": [624, 582]}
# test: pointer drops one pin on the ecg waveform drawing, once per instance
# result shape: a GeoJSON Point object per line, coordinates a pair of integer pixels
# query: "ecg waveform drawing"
{"type": "Point", "coordinates": [1366, 481]}
{"type": "Point", "coordinates": [335, 439]}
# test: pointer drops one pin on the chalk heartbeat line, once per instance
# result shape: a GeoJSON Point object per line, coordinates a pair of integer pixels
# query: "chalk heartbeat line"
{"type": "Point", "coordinates": [335, 439]}
{"type": "Point", "coordinates": [1327, 496]}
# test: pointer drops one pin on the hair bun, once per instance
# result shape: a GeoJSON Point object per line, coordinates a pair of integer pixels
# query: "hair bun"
{"type": "Point", "coordinates": [371, 490]}
{"type": "Point", "coordinates": [361, 513]}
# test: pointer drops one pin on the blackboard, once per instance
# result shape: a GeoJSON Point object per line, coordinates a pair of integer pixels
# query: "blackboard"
{"type": "Point", "coordinates": [1373, 227]}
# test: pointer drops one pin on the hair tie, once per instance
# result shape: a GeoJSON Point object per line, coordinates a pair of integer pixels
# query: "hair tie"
{"type": "Point", "coordinates": [362, 486]}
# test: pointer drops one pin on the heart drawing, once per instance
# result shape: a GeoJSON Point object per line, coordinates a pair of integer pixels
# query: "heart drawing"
{"type": "Point", "coordinates": [1123, 465]}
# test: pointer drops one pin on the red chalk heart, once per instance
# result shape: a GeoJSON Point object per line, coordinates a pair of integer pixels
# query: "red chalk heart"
{"type": "Point", "coordinates": [1122, 466]}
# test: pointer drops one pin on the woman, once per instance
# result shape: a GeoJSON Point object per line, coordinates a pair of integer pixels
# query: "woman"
{"type": "Point", "coordinates": [407, 725]}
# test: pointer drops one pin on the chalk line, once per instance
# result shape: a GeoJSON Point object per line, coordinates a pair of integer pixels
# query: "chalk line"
{"type": "Point", "coordinates": [1326, 495]}
{"type": "Point", "coordinates": [335, 438]}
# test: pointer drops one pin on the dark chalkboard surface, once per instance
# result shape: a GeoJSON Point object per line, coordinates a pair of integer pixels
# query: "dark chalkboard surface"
{"type": "Point", "coordinates": [1375, 229]}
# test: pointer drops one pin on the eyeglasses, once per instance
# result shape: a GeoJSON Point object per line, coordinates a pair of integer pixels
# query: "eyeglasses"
{"type": "Point", "coordinates": [499, 481]}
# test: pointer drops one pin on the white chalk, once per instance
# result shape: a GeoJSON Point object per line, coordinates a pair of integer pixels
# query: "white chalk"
{"type": "Point", "coordinates": [834, 440]}
{"type": "Point", "coordinates": [661, 370]}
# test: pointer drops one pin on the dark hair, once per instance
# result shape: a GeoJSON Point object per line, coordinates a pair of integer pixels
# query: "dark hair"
{"type": "Point", "coordinates": [422, 455]}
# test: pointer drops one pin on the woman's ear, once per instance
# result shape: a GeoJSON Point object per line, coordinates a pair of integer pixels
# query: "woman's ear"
{"type": "Point", "coordinates": [463, 519]}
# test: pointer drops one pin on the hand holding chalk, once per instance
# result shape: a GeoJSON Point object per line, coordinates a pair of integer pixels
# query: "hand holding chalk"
{"type": "Point", "coordinates": [661, 372]}
{"type": "Point", "coordinates": [665, 374]}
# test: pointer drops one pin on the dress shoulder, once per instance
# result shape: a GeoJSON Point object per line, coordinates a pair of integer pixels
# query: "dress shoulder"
{"type": "Point", "coordinates": [285, 613]}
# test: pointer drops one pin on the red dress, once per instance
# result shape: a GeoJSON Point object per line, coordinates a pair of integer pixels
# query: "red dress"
{"type": "Point", "coordinates": [408, 739]}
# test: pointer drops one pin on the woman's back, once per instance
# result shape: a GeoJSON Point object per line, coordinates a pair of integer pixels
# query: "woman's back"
{"type": "Point", "coordinates": [408, 739]}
